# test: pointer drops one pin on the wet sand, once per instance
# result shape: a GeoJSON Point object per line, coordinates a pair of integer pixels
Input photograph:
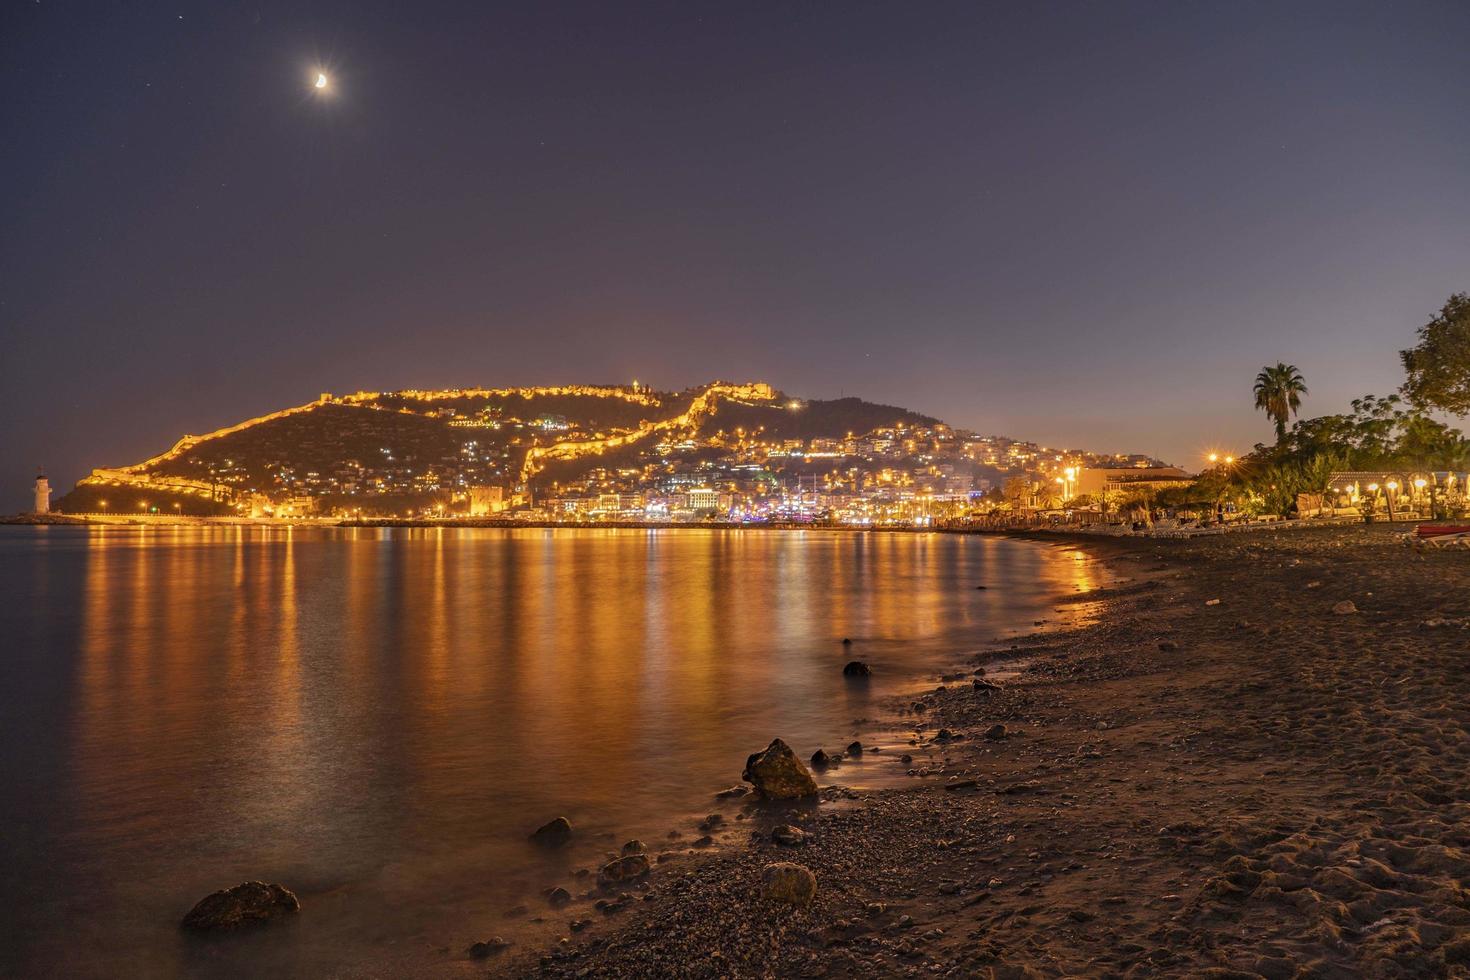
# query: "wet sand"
{"type": "Point", "coordinates": [1261, 786]}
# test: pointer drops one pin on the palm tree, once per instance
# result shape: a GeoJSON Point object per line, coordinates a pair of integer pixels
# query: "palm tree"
{"type": "Point", "coordinates": [1279, 393]}
{"type": "Point", "coordinates": [1046, 494]}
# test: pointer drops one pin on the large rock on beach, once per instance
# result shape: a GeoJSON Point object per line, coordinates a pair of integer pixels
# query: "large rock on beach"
{"type": "Point", "coordinates": [788, 883]}
{"type": "Point", "coordinates": [777, 774]}
{"type": "Point", "coordinates": [630, 867]}
{"type": "Point", "coordinates": [788, 836]}
{"type": "Point", "coordinates": [554, 833]}
{"type": "Point", "coordinates": [248, 903]}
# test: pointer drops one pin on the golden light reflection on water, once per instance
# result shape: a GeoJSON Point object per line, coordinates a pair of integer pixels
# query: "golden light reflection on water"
{"type": "Point", "coordinates": [385, 713]}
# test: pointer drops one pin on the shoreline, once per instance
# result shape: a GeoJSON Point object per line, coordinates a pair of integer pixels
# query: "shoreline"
{"type": "Point", "coordinates": [694, 842]}
{"type": "Point", "coordinates": [1174, 793]}
{"type": "Point", "coordinates": [1076, 533]}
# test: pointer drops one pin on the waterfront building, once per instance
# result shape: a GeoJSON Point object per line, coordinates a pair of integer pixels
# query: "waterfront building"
{"type": "Point", "coordinates": [486, 500]}
{"type": "Point", "coordinates": [1092, 479]}
{"type": "Point", "coordinates": [703, 498]}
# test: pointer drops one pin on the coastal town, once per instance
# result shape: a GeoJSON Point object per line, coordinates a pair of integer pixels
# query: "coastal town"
{"type": "Point", "coordinates": [499, 455]}
{"type": "Point", "coordinates": [627, 455]}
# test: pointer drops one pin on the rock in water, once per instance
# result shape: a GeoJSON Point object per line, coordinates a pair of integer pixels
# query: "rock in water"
{"type": "Point", "coordinates": [627, 868]}
{"type": "Point", "coordinates": [855, 748]}
{"type": "Point", "coordinates": [554, 834]}
{"type": "Point", "coordinates": [558, 897]}
{"type": "Point", "coordinates": [788, 883]}
{"type": "Point", "coordinates": [778, 774]}
{"type": "Point", "coordinates": [856, 668]}
{"type": "Point", "coordinates": [246, 904]}
{"type": "Point", "coordinates": [820, 759]}
{"type": "Point", "coordinates": [1345, 608]}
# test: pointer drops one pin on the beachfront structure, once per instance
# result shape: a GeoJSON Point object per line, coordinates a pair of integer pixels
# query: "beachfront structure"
{"type": "Point", "coordinates": [1092, 480]}
{"type": "Point", "coordinates": [1401, 489]}
{"type": "Point", "coordinates": [43, 495]}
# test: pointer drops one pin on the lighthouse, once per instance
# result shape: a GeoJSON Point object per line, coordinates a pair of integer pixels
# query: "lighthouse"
{"type": "Point", "coordinates": [43, 494]}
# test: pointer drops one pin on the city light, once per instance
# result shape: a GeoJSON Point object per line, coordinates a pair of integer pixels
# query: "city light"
{"type": "Point", "coordinates": [665, 467]}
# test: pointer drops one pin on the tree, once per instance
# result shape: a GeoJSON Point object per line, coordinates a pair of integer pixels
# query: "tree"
{"type": "Point", "coordinates": [1046, 494]}
{"type": "Point", "coordinates": [1439, 365]}
{"type": "Point", "coordinates": [1017, 490]}
{"type": "Point", "coordinates": [1279, 393]}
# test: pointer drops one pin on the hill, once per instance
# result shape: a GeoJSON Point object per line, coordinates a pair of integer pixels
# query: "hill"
{"type": "Point", "coordinates": [414, 444]}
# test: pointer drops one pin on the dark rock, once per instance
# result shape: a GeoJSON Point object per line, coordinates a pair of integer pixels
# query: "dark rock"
{"type": "Point", "coordinates": [788, 836]}
{"type": "Point", "coordinates": [705, 841]}
{"type": "Point", "coordinates": [634, 847]}
{"type": "Point", "coordinates": [558, 897]}
{"type": "Point", "coordinates": [856, 748]}
{"type": "Point", "coordinates": [821, 760]}
{"type": "Point", "coordinates": [248, 903]}
{"type": "Point", "coordinates": [628, 868]}
{"type": "Point", "coordinates": [995, 732]}
{"type": "Point", "coordinates": [1168, 646]}
{"type": "Point", "coordinates": [905, 758]}
{"type": "Point", "coordinates": [944, 735]}
{"type": "Point", "coordinates": [788, 883]}
{"type": "Point", "coordinates": [777, 774]}
{"type": "Point", "coordinates": [856, 668]}
{"type": "Point", "coordinates": [712, 821]}
{"type": "Point", "coordinates": [553, 834]}
{"type": "Point", "coordinates": [494, 945]}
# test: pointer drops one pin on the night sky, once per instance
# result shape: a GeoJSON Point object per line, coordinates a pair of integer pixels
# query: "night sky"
{"type": "Point", "coordinates": [1087, 224]}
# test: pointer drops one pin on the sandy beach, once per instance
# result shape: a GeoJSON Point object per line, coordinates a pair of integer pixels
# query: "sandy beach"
{"type": "Point", "coordinates": [1230, 773]}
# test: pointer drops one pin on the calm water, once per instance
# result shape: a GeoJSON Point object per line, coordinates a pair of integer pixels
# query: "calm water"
{"type": "Point", "coordinates": [377, 718]}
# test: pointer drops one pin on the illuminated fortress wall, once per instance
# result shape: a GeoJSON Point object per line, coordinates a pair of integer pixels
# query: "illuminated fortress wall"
{"type": "Point", "coordinates": [138, 475]}
{"type": "Point", "coordinates": [703, 405]}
